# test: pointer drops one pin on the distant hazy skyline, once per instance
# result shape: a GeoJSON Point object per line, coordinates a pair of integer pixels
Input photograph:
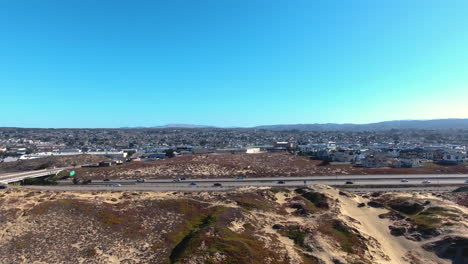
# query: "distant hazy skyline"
{"type": "Point", "coordinates": [113, 63]}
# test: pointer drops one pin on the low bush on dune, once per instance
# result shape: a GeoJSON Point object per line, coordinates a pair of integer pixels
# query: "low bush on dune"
{"type": "Point", "coordinates": [347, 239]}
{"type": "Point", "coordinates": [296, 233]}
{"type": "Point", "coordinates": [407, 207]}
{"type": "Point", "coordinates": [318, 199]}
{"type": "Point", "coordinates": [461, 189]}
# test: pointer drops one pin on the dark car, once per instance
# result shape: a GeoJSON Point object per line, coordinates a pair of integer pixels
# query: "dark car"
{"type": "Point", "coordinates": [349, 182]}
{"type": "Point", "coordinates": [217, 184]}
{"type": "Point", "coordinates": [106, 180]}
{"type": "Point", "coordinates": [2, 187]}
{"type": "Point", "coordinates": [140, 180]}
{"type": "Point", "coordinates": [87, 181]}
{"type": "Point", "coordinates": [193, 183]}
{"type": "Point", "coordinates": [280, 182]}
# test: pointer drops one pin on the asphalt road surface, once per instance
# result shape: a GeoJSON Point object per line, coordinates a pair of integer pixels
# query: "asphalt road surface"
{"type": "Point", "coordinates": [199, 185]}
{"type": "Point", "coordinates": [414, 181]}
{"type": "Point", "coordinates": [315, 178]}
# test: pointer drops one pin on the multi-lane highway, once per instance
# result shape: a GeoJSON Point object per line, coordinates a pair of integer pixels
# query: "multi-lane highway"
{"type": "Point", "coordinates": [422, 181]}
{"type": "Point", "coordinates": [411, 182]}
{"type": "Point", "coordinates": [339, 178]}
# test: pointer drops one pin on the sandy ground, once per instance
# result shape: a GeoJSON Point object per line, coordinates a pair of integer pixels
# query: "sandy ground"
{"type": "Point", "coordinates": [383, 247]}
{"type": "Point", "coordinates": [395, 248]}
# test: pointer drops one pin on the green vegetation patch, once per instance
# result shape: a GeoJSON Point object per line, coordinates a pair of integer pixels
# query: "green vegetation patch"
{"type": "Point", "coordinates": [309, 202]}
{"type": "Point", "coordinates": [303, 206]}
{"type": "Point", "coordinates": [89, 252]}
{"type": "Point", "coordinates": [181, 206]}
{"type": "Point", "coordinates": [461, 189]}
{"type": "Point", "coordinates": [20, 245]}
{"type": "Point", "coordinates": [209, 228]}
{"type": "Point", "coordinates": [110, 218]}
{"type": "Point", "coordinates": [190, 240]}
{"type": "Point", "coordinates": [425, 223]}
{"type": "Point", "coordinates": [240, 247]}
{"type": "Point", "coordinates": [430, 219]}
{"type": "Point", "coordinates": [48, 180]}
{"type": "Point", "coordinates": [348, 240]}
{"type": "Point", "coordinates": [251, 201]}
{"type": "Point", "coordinates": [441, 211]}
{"type": "Point", "coordinates": [296, 233]}
{"type": "Point", "coordinates": [43, 165]}
{"type": "Point", "coordinates": [308, 259]}
{"type": "Point", "coordinates": [318, 199]}
{"type": "Point", "coordinates": [406, 207]}
{"type": "Point", "coordinates": [279, 190]}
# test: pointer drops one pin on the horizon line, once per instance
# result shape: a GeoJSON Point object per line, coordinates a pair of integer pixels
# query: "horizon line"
{"type": "Point", "coordinates": [195, 126]}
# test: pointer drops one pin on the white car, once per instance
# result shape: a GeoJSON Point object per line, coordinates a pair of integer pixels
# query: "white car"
{"type": "Point", "coordinates": [426, 181]}
{"type": "Point", "coordinates": [116, 185]}
{"type": "Point", "coordinates": [466, 181]}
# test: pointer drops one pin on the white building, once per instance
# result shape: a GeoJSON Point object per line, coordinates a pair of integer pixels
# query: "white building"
{"type": "Point", "coordinates": [454, 157]}
{"type": "Point", "coordinates": [253, 150]}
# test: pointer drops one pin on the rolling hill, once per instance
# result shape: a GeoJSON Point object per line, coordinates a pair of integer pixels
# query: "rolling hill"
{"type": "Point", "coordinates": [435, 124]}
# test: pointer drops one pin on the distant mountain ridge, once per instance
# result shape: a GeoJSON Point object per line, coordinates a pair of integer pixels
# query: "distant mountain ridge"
{"type": "Point", "coordinates": [182, 126]}
{"type": "Point", "coordinates": [170, 126]}
{"type": "Point", "coordinates": [434, 124]}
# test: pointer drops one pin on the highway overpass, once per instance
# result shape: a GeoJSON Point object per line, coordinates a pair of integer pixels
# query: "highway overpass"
{"type": "Point", "coordinates": [19, 176]}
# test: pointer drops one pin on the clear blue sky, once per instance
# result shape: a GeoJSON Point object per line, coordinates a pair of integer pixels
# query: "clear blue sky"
{"type": "Point", "coordinates": [110, 63]}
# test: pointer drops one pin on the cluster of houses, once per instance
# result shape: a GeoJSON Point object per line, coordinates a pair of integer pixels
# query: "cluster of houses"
{"type": "Point", "coordinates": [369, 156]}
{"type": "Point", "coordinates": [378, 156]}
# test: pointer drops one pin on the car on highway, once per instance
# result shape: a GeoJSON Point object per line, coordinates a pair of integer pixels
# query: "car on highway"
{"type": "Point", "coordinates": [404, 180]}
{"type": "Point", "coordinates": [240, 177]}
{"type": "Point", "coordinates": [140, 180]}
{"type": "Point", "coordinates": [280, 182]}
{"type": "Point", "coordinates": [88, 181]}
{"type": "Point", "coordinates": [426, 181]}
{"type": "Point", "coordinates": [217, 184]}
{"type": "Point", "coordinates": [349, 182]}
{"type": "Point", "coordinates": [2, 187]}
{"type": "Point", "coordinates": [466, 181]}
{"type": "Point", "coordinates": [116, 185]}
{"type": "Point", "coordinates": [193, 183]}
{"type": "Point", "coordinates": [106, 180]}
{"type": "Point", "coordinates": [176, 180]}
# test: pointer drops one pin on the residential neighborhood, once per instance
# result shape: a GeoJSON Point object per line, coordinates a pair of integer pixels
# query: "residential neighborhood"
{"type": "Point", "coordinates": [373, 149]}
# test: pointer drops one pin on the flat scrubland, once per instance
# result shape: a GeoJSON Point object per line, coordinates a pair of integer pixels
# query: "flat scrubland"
{"type": "Point", "coordinates": [251, 225]}
{"type": "Point", "coordinates": [249, 165]}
